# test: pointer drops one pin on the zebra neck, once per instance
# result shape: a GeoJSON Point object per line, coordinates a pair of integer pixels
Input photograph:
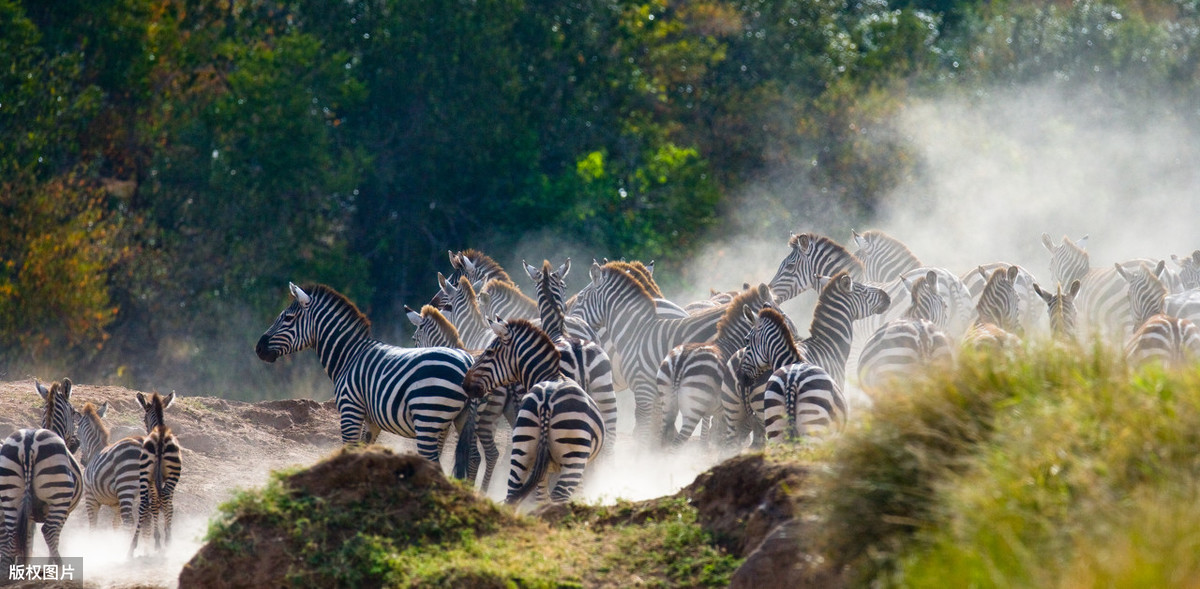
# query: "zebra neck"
{"type": "Point", "coordinates": [828, 343]}
{"type": "Point", "coordinates": [337, 344]}
{"type": "Point", "coordinates": [513, 307]}
{"type": "Point", "coordinates": [533, 372]}
{"type": "Point", "coordinates": [784, 357]}
{"type": "Point", "coordinates": [553, 318]}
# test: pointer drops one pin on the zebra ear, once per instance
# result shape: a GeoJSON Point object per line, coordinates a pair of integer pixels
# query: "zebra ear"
{"type": "Point", "coordinates": [1178, 262]}
{"type": "Point", "coordinates": [102, 409]}
{"type": "Point", "coordinates": [749, 313]}
{"type": "Point", "coordinates": [1158, 270]}
{"type": "Point", "coordinates": [142, 401]}
{"type": "Point", "coordinates": [454, 261]}
{"type": "Point", "coordinates": [931, 278]}
{"type": "Point", "coordinates": [1196, 257]}
{"type": "Point", "coordinates": [983, 273]}
{"type": "Point", "coordinates": [908, 285]}
{"type": "Point", "coordinates": [595, 272]}
{"type": "Point", "coordinates": [845, 283]}
{"type": "Point", "coordinates": [564, 269]}
{"type": "Point", "coordinates": [301, 296]}
{"type": "Point", "coordinates": [1081, 243]}
{"type": "Point", "coordinates": [1074, 289]}
{"type": "Point", "coordinates": [41, 389]}
{"type": "Point", "coordinates": [413, 316]}
{"type": "Point", "coordinates": [650, 267]}
{"type": "Point", "coordinates": [468, 266]}
{"type": "Point", "coordinates": [1012, 272]}
{"type": "Point", "coordinates": [443, 284]}
{"type": "Point", "coordinates": [1043, 294]}
{"type": "Point", "coordinates": [1122, 272]}
{"type": "Point", "coordinates": [804, 241]}
{"type": "Point", "coordinates": [66, 388]}
{"type": "Point", "coordinates": [858, 239]}
{"type": "Point", "coordinates": [822, 281]}
{"type": "Point", "coordinates": [764, 291]}
{"type": "Point", "coordinates": [167, 400]}
{"type": "Point", "coordinates": [485, 300]}
{"type": "Point", "coordinates": [499, 327]}
{"type": "Point", "coordinates": [531, 271]}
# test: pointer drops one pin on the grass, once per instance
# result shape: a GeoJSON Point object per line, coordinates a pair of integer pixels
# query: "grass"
{"type": "Point", "coordinates": [1054, 468]}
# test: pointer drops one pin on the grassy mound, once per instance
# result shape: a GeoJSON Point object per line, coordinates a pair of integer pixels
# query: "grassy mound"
{"type": "Point", "coordinates": [1056, 468]}
{"type": "Point", "coordinates": [373, 518]}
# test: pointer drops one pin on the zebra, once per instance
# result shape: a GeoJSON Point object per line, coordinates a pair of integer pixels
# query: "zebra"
{"type": "Point", "coordinates": [1060, 307]}
{"type": "Point", "coordinates": [477, 266]}
{"type": "Point", "coordinates": [413, 393]}
{"type": "Point", "coordinates": [636, 336]}
{"type": "Point", "coordinates": [1104, 304]}
{"type": "Point", "coordinates": [902, 347]}
{"type": "Point", "coordinates": [557, 421]}
{"type": "Point", "coordinates": [434, 330]}
{"type": "Point", "coordinates": [1145, 291]}
{"type": "Point", "coordinates": [999, 323]}
{"type": "Point", "coordinates": [40, 482]}
{"type": "Point", "coordinates": [811, 256]}
{"type": "Point", "coordinates": [583, 361]}
{"type": "Point", "coordinates": [1172, 341]}
{"type": "Point", "coordinates": [1189, 270]}
{"type": "Point", "coordinates": [1185, 305]}
{"type": "Point", "coordinates": [465, 312]}
{"type": "Point", "coordinates": [58, 414]}
{"type": "Point", "coordinates": [883, 257]}
{"type": "Point", "coordinates": [111, 472]}
{"type": "Point", "coordinates": [691, 377]}
{"type": "Point", "coordinates": [802, 393]}
{"type": "Point", "coordinates": [1027, 298]}
{"type": "Point", "coordinates": [159, 467]}
{"type": "Point", "coordinates": [715, 298]}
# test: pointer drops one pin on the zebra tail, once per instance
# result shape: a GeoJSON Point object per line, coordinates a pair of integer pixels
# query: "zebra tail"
{"type": "Point", "coordinates": [466, 440]}
{"type": "Point", "coordinates": [540, 462]}
{"type": "Point", "coordinates": [159, 448]}
{"type": "Point", "coordinates": [789, 396]}
{"type": "Point", "coordinates": [24, 528]}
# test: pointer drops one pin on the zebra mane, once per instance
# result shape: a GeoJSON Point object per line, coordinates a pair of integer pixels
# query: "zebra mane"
{"type": "Point", "coordinates": [623, 277]}
{"type": "Point", "coordinates": [340, 299]}
{"type": "Point", "coordinates": [844, 258]}
{"type": "Point", "coordinates": [640, 273]}
{"type": "Point", "coordinates": [754, 297]}
{"type": "Point", "coordinates": [464, 285]}
{"type": "Point", "coordinates": [486, 265]}
{"type": "Point", "coordinates": [769, 313]}
{"type": "Point", "coordinates": [546, 271]}
{"type": "Point", "coordinates": [448, 329]}
{"type": "Point", "coordinates": [508, 288]}
{"type": "Point", "coordinates": [890, 241]}
{"type": "Point", "coordinates": [527, 326]}
{"type": "Point", "coordinates": [89, 414]}
{"type": "Point", "coordinates": [156, 409]}
{"type": "Point", "coordinates": [51, 405]}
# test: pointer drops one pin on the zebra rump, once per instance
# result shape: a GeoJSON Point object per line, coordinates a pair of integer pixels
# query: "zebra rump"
{"type": "Point", "coordinates": [557, 422]}
{"type": "Point", "coordinates": [804, 398]}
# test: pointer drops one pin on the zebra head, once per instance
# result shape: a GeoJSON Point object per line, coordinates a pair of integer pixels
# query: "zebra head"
{"type": "Point", "coordinates": [999, 303]}
{"type": "Point", "coordinates": [811, 255]}
{"type": "Point", "coordinates": [550, 282]}
{"type": "Point", "coordinates": [769, 343]}
{"type": "Point", "coordinates": [154, 407]}
{"type": "Point", "coordinates": [1061, 309]}
{"type": "Point", "coordinates": [1189, 269]}
{"type": "Point", "coordinates": [882, 255]}
{"type": "Point", "coordinates": [292, 331]}
{"type": "Point", "coordinates": [854, 298]}
{"type": "Point", "coordinates": [93, 434]}
{"type": "Point", "coordinates": [433, 329]}
{"type": "Point", "coordinates": [1068, 260]}
{"type": "Point", "coordinates": [1146, 291]}
{"type": "Point", "coordinates": [926, 302]}
{"type": "Point", "coordinates": [58, 415]}
{"type": "Point", "coordinates": [590, 304]}
{"type": "Point", "coordinates": [520, 352]}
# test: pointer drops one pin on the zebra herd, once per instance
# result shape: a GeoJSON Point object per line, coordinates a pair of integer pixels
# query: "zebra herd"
{"type": "Point", "coordinates": [733, 366]}
{"type": "Point", "coordinates": [41, 480]}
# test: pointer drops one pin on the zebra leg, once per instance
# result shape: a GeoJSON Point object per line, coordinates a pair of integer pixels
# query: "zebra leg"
{"type": "Point", "coordinates": [52, 528]}
{"type": "Point", "coordinates": [168, 514]}
{"type": "Point", "coordinates": [489, 418]}
{"type": "Point", "coordinates": [646, 405]}
{"type": "Point", "coordinates": [93, 508]}
{"type": "Point", "coordinates": [126, 503]}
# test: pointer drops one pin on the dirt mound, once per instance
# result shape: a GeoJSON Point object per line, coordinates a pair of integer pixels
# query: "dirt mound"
{"type": "Point", "coordinates": [334, 513]}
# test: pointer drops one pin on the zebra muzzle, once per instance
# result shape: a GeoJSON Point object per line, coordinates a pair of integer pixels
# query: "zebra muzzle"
{"type": "Point", "coordinates": [265, 353]}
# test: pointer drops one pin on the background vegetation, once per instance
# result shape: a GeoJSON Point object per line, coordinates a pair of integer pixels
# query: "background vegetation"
{"type": "Point", "coordinates": [166, 166]}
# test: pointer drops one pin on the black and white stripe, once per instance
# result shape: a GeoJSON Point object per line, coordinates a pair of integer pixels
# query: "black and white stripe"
{"type": "Point", "coordinates": [904, 347]}
{"type": "Point", "coordinates": [58, 414]}
{"type": "Point", "coordinates": [1060, 308]}
{"type": "Point", "coordinates": [811, 256]}
{"type": "Point", "coordinates": [637, 337]}
{"type": "Point", "coordinates": [476, 266]}
{"type": "Point", "coordinates": [413, 393]}
{"type": "Point", "coordinates": [111, 471]}
{"type": "Point", "coordinates": [883, 257]}
{"type": "Point", "coordinates": [557, 420]}
{"type": "Point", "coordinates": [465, 313]}
{"type": "Point", "coordinates": [1103, 303]}
{"type": "Point", "coordinates": [1171, 341]}
{"type": "Point", "coordinates": [801, 400]}
{"type": "Point", "coordinates": [1189, 270]}
{"type": "Point", "coordinates": [40, 482]}
{"type": "Point", "coordinates": [159, 468]}
{"type": "Point", "coordinates": [998, 325]}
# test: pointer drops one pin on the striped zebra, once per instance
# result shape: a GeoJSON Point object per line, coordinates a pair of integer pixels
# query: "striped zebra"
{"type": "Point", "coordinates": [1103, 302]}
{"type": "Point", "coordinates": [883, 257]}
{"type": "Point", "coordinates": [413, 393]}
{"type": "Point", "coordinates": [583, 361]}
{"type": "Point", "coordinates": [58, 414]}
{"type": "Point", "coordinates": [1060, 308]}
{"type": "Point", "coordinates": [40, 482]}
{"type": "Point", "coordinates": [1028, 306]}
{"type": "Point", "coordinates": [811, 256]}
{"type": "Point", "coordinates": [636, 336]}
{"type": "Point", "coordinates": [715, 298]}
{"type": "Point", "coordinates": [557, 421]}
{"type": "Point", "coordinates": [692, 375]}
{"type": "Point", "coordinates": [465, 313]}
{"type": "Point", "coordinates": [1162, 338]}
{"type": "Point", "coordinates": [159, 468]}
{"type": "Point", "coordinates": [1185, 305]}
{"type": "Point", "coordinates": [111, 472]}
{"type": "Point", "coordinates": [1145, 291]}
{"type": "Point", "coordinates": [998, 326]}
{"type": "Point", "coordinates": [1189, 270]}
{"type": "Point", "coordinates": [802, 394]}
{"type": "Point", "coordinates": [904, 347]}
{"type": "Point", "coordinates": [477, 266]}
{"type": "Point", "coordinates": [434, 330]}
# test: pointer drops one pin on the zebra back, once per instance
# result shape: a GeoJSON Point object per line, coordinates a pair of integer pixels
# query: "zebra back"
{"type": "Point", "coordinates": [1146, 291]}
{"type": "Point", "coordinates": [883, 257]}
{"type": "Point", "coordinates": [1171, 341]}
{"type": "Point", "coordinates": [58, 415]}
{"type": "Point", "coordinates": [811, 256]}
{"type": "Point", "coordinates": [902, 348]}
{"type": "Point", "coordinates": [1060, 307]}
{"type": "Point", "coordinates": [1185, 304]}
{"type": "Point", "coordinates": [159, 467]}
